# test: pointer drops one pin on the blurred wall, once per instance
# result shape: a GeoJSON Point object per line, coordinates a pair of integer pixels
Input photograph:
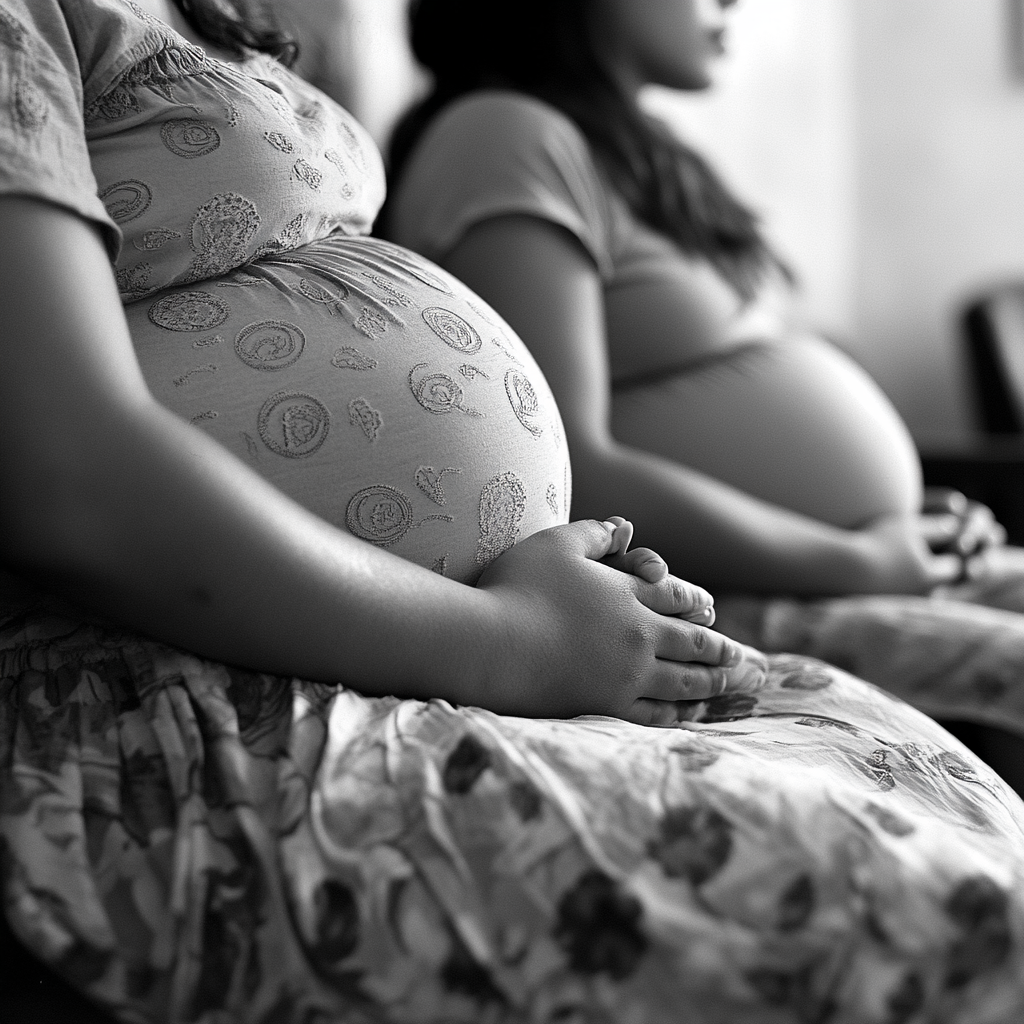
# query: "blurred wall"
{"type": "Point", "coordinates": [883, 140]}
{"type": "Point", "coordinates": [941, 188]}
{"type": "Point", "coordinates": [780, 126]}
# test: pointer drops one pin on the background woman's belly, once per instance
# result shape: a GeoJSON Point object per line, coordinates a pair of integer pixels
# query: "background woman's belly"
{"type": "Point", "coordinates": [374, 389]}
{"type": "Point", "coordinates": [795, 422]}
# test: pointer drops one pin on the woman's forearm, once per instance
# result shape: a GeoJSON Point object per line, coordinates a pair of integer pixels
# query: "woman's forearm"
{"type": "Point", "coordinates": [152, 523]}
{"type": "Point", "coordinates": [716, 535]}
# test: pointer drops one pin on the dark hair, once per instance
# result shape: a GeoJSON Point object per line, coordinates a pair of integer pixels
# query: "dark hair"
{"type": "Point", "coordinates": [239, 25]}
{"type": "Point", "coordinates": [544, 48]}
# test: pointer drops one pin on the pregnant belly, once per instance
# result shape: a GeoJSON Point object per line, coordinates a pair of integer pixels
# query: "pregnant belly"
{"type": "Point", "coordinates": [794, 422]}
{"type": "Point", "coordinates": [374, 389]}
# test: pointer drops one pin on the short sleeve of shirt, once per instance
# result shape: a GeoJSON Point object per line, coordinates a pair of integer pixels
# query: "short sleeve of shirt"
{"type": "Point", "coordinates": [494, 154]}
{"type": "Point", "coordinates": [43, 151]}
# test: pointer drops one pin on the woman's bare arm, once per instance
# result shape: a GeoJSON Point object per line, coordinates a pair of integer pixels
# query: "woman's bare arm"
{"type": "Point", "coordinates": [541, 280]}
{"type": "Point", "coordinates": [110, 498]}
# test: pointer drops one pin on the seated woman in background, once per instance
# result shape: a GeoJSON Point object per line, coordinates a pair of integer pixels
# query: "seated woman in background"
{"type": "Point", "coordinates": [225, 412]}
{"type": "Point", "coordinates": [756, 457]}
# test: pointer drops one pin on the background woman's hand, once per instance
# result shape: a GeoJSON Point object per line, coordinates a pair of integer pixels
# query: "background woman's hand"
{"type": "Point", "coordinates": [584, 637]}
{"type": "Point", "coordinates": [952, 523]}
{"type": "Point", "coordinates": [900, 560]}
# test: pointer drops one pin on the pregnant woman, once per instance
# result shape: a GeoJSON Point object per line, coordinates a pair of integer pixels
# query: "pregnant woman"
{"type": "Point", "coordinates": [755, 457]}
{"type": "Point", "coordinates": [271, 459]}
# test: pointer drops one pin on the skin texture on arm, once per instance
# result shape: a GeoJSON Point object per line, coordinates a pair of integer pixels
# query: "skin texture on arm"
{"type": "Point", "coordinates": [538, 276]}
{"type": "Point", "coordinates": [114, 501]}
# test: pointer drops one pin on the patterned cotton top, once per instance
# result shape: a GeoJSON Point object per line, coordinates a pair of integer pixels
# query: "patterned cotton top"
{"type": "Point", "coordinates": [363, 381]}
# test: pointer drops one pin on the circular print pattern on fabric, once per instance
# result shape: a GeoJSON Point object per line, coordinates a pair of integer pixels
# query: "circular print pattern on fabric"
{"type": "Point", "coordinates": [379, 514]}
{"type": "Point", "coordinates": [270, 344]}
{"type": "Point", "coordinates": [293, 424]}
{"type": "Point", "coordinates": [438, 393]}
{"type": "Point", "coordinates": [189, 311]}
{"type": "Point", "coordinates": [225, 223]}
{"type": "Point", "coordinates": [502, 507]}
{"type": "Point", "coordinates": [126, 200]}
{"type": "Point", "coordinates": [30, 104]}
{"type": "Point", "coordinates": [452, 329]}
{"type": "Point", "coordinates": [189, 137]}
{"type": "Point", "coordinates": [523, 399]}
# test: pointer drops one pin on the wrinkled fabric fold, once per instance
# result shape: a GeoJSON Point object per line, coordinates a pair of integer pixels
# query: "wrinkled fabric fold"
{"type": "Point", "coordinates": [957, 655]}
{"type": "Point", "coordinates": [187, 841]}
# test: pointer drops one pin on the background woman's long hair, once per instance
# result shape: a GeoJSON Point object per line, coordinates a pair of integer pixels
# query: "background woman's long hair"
{"type": "Point", "coordinates": [239, 25]}
{"type": "Point", "coordinates": [544, 48]}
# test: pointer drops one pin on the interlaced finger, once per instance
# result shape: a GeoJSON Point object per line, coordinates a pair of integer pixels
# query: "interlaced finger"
{"type": "Point", "coordinates": [660, 713]}
{"type": "Point", "coordinates": [939, 529]}
{"type": "Point", "coordinates": [978, 529]}
{"type": "Point", "coordinates": [944, 500]}
{"type": "Point", "coordinates": [642, 562]}
{"type": "Point", "coordinates": [680, 641]}
{"type": "Point", "coordinates": [675, 681]}
{"type": "Point", "coordinates": [673, 596]}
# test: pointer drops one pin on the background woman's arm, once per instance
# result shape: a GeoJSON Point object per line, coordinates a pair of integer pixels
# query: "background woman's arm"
{"type": "Point", "coordinates": [110, 498]}
{"type": "Point", "coordinates": [539, 277]}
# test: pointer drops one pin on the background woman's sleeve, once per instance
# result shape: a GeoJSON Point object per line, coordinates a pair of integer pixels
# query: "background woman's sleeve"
{"type": "Point", "coordinates": [494, 154]}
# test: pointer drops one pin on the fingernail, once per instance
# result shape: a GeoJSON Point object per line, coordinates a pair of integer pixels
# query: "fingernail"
{"type": "Point", "coordinates": [610, 527]}
{"type": "Point", "coordinates": [746, 677]}
{"type": "Point", "coordinates": [654, 570]}
{"type": "Point", "coordinates": [735, 656]}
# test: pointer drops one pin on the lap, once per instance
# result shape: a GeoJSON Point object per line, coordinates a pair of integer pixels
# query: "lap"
{"type": "Point", "coordinates": [957, 655]}
{"type": "Point", "coordinates": [185, 839]}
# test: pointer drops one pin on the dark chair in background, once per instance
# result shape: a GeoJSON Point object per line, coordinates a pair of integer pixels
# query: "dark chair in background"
{"type": "Point", "coordinates": [993, 327]}
{"type": "Point", "coordinates": [990, 467]}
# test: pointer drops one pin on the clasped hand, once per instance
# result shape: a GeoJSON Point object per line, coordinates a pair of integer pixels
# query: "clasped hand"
{"type": "Point", "coordinates": [947, 543]}
{"type": "Point", "coordinates": [591, 627]}
{"type": "Point", "coordinates": [952, 523]}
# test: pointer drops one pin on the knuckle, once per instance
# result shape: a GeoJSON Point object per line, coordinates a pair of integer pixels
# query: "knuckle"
{"type": "Point", "coordinates": [699, 639]}
{"type": "Point", "coordinates": [708, 683]}
{"type": "Point", "coordinates": [690, 684]}
{"type": "Point", "coordinates": [636, 638]}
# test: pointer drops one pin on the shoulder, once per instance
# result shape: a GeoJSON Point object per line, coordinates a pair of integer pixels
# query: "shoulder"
{"type": "Point", "coordinates": [88, 42]}
{"type": "Point", "coordinates": [510, 108]}
{"type": "Point", "coordinates": [55, 55]}
{"type": "Point", "coordinates": [497, 153]}
{"type": "Point", "coordinates": [503, 142]}
{"type": "Point", "coordinates": [507, 120]}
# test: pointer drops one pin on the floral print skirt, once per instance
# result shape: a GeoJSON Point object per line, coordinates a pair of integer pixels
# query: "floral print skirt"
{"type": "Point", "coordinates": [186, 841]}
